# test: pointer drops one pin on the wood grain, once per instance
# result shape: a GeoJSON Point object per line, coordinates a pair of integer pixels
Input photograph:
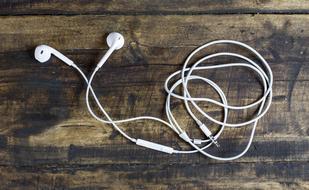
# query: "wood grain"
{"type": "Point", "coordinates": [49, 141]}
{"type": "Point", "coordinates": [153, 7]}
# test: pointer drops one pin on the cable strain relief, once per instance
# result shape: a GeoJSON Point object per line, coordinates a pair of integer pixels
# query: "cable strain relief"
{"type": "Point", "coordinates": [73, 64]}
{"type": "Point", "coordinates": [97, 68]}
{"type": "Point", "coordinates": [197, 141]}
{"type": "Point", "coordinates": [185, 137]}
{"type": "Point", "coordinates": [199, 122]}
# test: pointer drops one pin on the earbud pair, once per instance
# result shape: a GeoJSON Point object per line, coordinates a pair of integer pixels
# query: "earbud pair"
{"type": "Point", "coordinates": [115, 41]}
{"type": "Point", "coordinates": [43, 53]}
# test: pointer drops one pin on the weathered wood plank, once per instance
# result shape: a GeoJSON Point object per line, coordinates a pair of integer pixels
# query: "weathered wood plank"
{"type": "Point", "coordinates": [262, 175]}
{"type": "Point", "coordinates": [152, 7]}
{"type": "Point", "coordinates": [278, 34]}
{"type": "Point", "coordinates": [263, 150]}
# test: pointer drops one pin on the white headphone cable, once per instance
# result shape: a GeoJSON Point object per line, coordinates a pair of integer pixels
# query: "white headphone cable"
{"type": "Point", "coordinates": [115, 41]}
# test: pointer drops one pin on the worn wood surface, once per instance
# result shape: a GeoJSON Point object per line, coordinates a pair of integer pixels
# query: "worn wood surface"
{"type": "Point", "coordinates": [151, 7]}
{"type": "Point", "coordinates": [49, 141]}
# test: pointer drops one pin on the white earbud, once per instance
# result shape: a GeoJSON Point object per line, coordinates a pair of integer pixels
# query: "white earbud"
{"type": "Point", "coordinates": [43, 53]}
{"type": "Point", "coordinates": [115, 41]}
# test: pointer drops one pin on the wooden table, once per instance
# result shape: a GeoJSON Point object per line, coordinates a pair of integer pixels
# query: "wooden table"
{"type": "Point", "coordinates": [48, 140]}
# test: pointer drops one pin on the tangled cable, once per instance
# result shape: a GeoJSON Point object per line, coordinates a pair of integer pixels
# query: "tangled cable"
{"type": "Point", "coordinates": [263, 103]}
